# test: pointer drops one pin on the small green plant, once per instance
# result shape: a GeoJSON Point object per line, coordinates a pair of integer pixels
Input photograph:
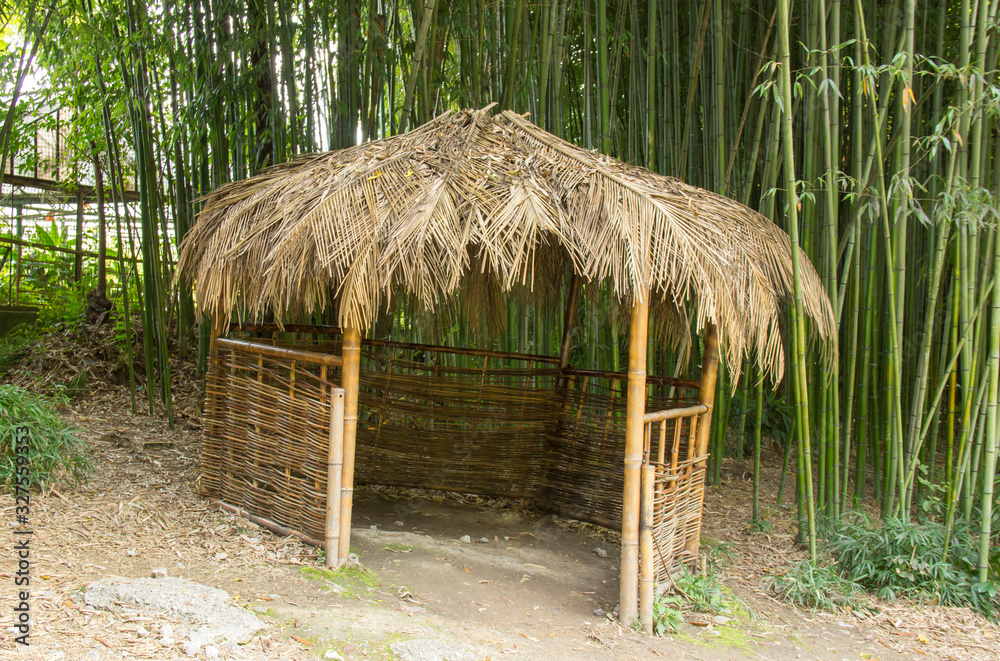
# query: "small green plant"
{"type": "Point", "coordinates": [76, 387]}
{"type": "Point", "coordinates": [668, 614]}
{"type": "Point", "coordinates": [704, 593]}
{"type": "Point", "coordinates": [54, 451]}
{"type": "Point", "coordinates": [763, 523]}
{"type": "Point", "coordinates": [692, 592]}
{"type": "Point", "coordinates": [815, 585]}
{"type": "Point", "coordinates": [720, 550]}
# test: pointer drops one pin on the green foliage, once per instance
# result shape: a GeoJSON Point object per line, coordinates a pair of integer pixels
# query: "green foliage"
{"type": "Point", "coordinates": [777, 416]}
{"type": "Point", "coordinates": [692, 592]}
{"type": "Point", "coordinates": [763, 523]}
{"type": "Point", "coordinates": [703, 593]}
{"type": "Point", "coordinates": [55, 452]}
{"type": "Point", "coordinates": [896, 558]}
{"type": "Point", "coordinates": [12, 348]}
{"type": "Point", "coordinates": [815, 585]}
{"type": "Point", "coordinates": [667, 614]}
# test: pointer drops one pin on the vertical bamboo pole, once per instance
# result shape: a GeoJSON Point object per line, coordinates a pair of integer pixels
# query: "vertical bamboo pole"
{"type": "Point", "coordinates": [78, 253]}
{"type": "Point", "coordinates": [351, 353]}
{"type": "Point", "coordinates": [706, 388]}
{"type": "Point", "coordinates": [569, 321]}
{"type": "Point", "coordinates": [706, 396]}
{"type": "Point", "coordinates": [634, 410]}
{"type": "Point", "coordinates": [646, 549]}
{"type": "Point", "coordinates": [334, 477]}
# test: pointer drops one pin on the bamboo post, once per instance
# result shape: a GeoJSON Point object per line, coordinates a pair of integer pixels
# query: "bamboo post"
{"type": "Point", "coordinates": [351, 353]}
{"type": "Point", "coordinates": [334, 476]}
{"type": "Point", "coordinates": [646, 549]}
{"type": "Point", "coordinates": [569, 321]}
{"type": "Point", "coordinates": [78, 253]}
{"type": "Point", "coordinates": [634, 411]}
{"type": "Point", "coordinates": [706, 396]}
{"type": "Point", "coordinates": [706, 388]}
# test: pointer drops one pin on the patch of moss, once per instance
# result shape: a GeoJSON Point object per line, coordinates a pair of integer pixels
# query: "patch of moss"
{"type": "Point", "coordinates": [399, 547]}
{"type": "Point", "coordinates": [732, 637]}
{"type": "Point", "coordinates": [345, 581]}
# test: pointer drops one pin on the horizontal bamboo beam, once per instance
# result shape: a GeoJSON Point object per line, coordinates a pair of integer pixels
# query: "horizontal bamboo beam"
{"type": "Point", "coordinates": [671, 414]}
{"type": "Point", "coordinates": [269, 351]}
{"type": "Point", "coordinates": [271, 327]}
{"type": "Point", "coordinates": [334, 330]}
{"type": "Point", "coordinates": [650, 380]}
{"type": "Point", "coordinates": [61, 188]}
{"type": "Point", "coordinates": [485, 353]}
{"type": "Point", "coordinates": [277, 529]}
{"type": "Point", "coordinates": [42, 246]}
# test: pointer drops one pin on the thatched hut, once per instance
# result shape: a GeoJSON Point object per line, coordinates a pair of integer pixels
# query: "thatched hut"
{"type": "Point", "coordinates": [466, 209]}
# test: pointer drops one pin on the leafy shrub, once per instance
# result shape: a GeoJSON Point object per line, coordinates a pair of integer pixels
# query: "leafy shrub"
{"type": "Point", "coordinates": [692, 592]}
{"type": "Point", "coordinates": [54, 450]}
{"type": "Point", "coordinates": [895, 558]}
{"type": "Point", "coordinates": [815, 585]}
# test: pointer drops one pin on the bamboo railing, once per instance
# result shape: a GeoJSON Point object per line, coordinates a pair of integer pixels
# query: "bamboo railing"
{"type": "Point", "coordinates": [673, 489]}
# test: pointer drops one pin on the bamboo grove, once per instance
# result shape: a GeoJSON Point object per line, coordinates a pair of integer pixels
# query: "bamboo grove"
{"type": "Point", "coordinates": [868, 130]}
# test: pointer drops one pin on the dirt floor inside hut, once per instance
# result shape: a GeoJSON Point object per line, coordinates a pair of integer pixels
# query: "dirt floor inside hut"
{"type": "Point", "coordinates": [520, 585]}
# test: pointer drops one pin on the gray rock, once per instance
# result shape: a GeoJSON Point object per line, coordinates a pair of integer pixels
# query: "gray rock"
{"type": "Point", "coordinates": [432, 649]}
{"type": "Point", "coordinates": [332, 654]}
{"type": "Point", "coordinates": [191, 648]}
{"type": "Point", "coordinates": [159, 572]}
{"type": "Point", "coordinates": [180, 599]}
{"type": "Point", "coordinates": [465, 539]}
{"type": "Point", "coordinates": [211, 651]}
{"type": "Point", "coordinates": [600, 553]}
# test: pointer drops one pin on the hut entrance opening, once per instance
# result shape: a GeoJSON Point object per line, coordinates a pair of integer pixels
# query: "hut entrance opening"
{"type": "Point", "coordinates": [471, 421]}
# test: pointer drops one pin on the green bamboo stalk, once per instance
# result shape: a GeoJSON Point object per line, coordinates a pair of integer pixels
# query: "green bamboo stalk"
{"type": "Point", "coordinates": [604, 104]}
{"type": "Point", "coordinates": [798, 318]}
{"type": "Point", "coordinates": [419, 54]}
{"type": "Point", "coordinates": [758, 423]}
{"type": "Point", "coordinates": [992, 427]}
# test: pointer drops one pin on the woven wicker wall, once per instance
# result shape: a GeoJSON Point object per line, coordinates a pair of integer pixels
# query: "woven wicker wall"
{"type": "Point", "coordinates": [585, 453]}
{"type": "Point", "coordinates": [678, 494]}
{"type": "Point", "coordinates": [253, 406]}
{"type": "Point", "coordinates": [469, 429]}
{"type": "Point", "coordinates": [486, 424]}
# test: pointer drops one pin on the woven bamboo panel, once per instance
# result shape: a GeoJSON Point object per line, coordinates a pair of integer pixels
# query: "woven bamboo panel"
{"type": "Point", "coordinates": [438, 419]}
{"type": "Point", "coordinates": [457, 420]}
{"type": "Point", "coordinates": [266, 440]}
{"type": "Point", "coordinates": [678, 493]}
{"type": "Point", "coordinates": [585, 454]}
{"type": "Point", "coordinates": [474, 430]}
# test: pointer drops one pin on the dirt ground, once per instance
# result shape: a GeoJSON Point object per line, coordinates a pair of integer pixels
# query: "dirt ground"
{"type": "Point", "coordinates": [527, 586]}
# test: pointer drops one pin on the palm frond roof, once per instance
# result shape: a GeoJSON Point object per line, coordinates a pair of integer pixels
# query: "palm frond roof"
{"type": "Point", "coordinates": [476, 195]}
